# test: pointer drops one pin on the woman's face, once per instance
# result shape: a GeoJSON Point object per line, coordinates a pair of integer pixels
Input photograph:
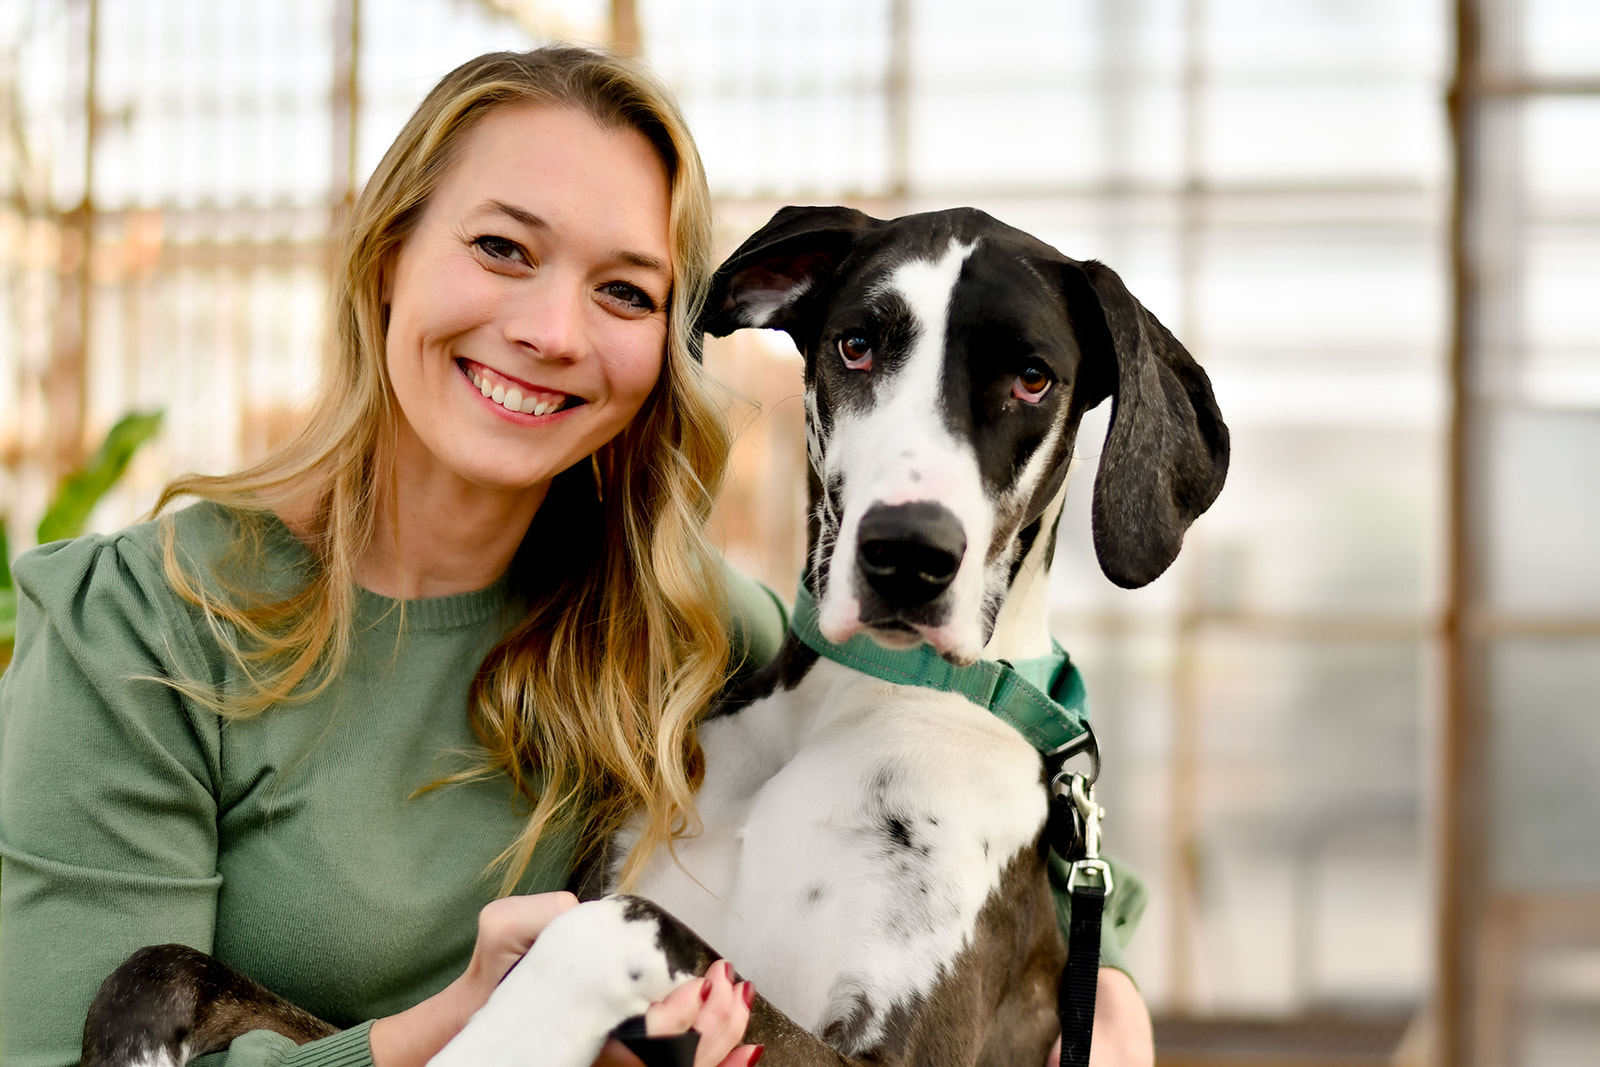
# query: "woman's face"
{"type": "Point", "coordinates": [528, 310]}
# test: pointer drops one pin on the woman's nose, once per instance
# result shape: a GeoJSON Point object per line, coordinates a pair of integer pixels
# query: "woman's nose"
{"type": "Point", "coordinates": [546, 317]}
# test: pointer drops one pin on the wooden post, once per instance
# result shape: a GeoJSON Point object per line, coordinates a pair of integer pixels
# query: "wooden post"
{"type": "Point", "coordinates": [899, 100]}
{"type": "Point", "coordinates": [625, 39]}
{"type": "Point", "coordinates": [1183, 823]}
{"type": "Point", "coordinates": [346, 108]}
{"type": "Point", "coordinates": [66, 381]}
{"type": "Point", "coordinates": [1461, 815]}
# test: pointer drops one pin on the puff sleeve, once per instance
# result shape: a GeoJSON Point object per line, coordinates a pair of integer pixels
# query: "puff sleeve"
{"type": "Point", "coordinates": [108, 793]}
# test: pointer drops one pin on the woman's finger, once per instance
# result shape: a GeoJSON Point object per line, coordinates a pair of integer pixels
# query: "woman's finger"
{"type": "Point", "coordinates": [723, 1017]}
{"type": "Point", "coordinates": [743, 1056]}
{"type": "Point", "coordinates": [714, 1006]}
{"type": "Point", "coordinates": [507, 928]}
{"type": "Point", "coordinates": [513, 923]}
{"type": "Point", "coordinates": [678, 1011]}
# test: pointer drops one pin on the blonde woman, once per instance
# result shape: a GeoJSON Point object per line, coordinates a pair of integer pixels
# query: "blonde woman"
{"type": "Point", "coordinates": [250, 726]}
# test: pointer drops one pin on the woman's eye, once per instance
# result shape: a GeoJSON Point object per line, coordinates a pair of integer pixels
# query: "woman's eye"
{"type": "Point", "coordinates": [500, 248]}
{"type": "Point", "coordinates": [629, 295]}
{"type": "Point", "coordinates": [856, 351]}
{"type": "Point", "coordinates": [1031, 384]}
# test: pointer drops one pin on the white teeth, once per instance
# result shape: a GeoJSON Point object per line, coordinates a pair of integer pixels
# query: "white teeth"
{"type": "Point", "coordinates": [511, 398]}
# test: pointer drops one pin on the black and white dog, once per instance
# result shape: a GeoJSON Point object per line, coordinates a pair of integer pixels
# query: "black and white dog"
{"type": "Point", "coordinates": [872, 854]}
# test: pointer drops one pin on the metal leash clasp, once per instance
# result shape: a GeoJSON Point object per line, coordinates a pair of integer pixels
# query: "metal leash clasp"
{"type": "Point", "coordinates": [1089, 871]}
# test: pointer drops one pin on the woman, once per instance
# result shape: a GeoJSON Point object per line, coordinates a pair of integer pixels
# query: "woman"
{"type": "Point", "coordinates": [240, 727]}
{"type": "Point", "coordinates": [226, 728]}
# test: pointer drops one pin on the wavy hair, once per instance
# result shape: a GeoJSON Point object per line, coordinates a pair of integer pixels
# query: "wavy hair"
{"type": "Point", "coordinates": [589, 704]}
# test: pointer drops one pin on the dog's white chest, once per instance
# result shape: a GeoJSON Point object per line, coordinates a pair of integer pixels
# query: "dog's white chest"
{"type": "Point", "coordinates": [853, 831]}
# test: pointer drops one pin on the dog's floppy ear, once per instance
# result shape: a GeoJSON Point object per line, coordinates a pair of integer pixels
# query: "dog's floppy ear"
{"type": "Point", "coordinates": [765, 281]}
{"type": "Point", "coordinates": [1166, 452]}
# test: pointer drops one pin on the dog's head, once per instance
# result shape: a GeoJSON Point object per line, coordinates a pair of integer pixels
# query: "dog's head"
{"type": "Point", "coordinates": [948, 361]}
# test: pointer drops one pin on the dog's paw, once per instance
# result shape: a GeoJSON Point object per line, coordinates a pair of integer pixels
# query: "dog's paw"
{"type": "Point", "coordinates": [593, 967]}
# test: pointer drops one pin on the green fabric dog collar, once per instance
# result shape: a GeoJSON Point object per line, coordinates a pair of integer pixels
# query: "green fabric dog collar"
{"type": "Point", "coordinates": [1043, 699]}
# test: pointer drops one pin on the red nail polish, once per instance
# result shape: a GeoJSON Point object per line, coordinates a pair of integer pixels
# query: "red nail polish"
{"type": "Point", "coordinates": [705, 991]}
{"type": "Point", "coordinates": [755, 1057]}
{"type": "Point", "coordinates": [748, 992]}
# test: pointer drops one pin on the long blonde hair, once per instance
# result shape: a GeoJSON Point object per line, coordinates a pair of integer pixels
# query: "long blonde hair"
{"type": "Point", "coordinates": [589, 704]}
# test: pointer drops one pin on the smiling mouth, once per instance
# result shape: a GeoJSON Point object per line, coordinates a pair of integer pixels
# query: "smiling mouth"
{"type": "Point", "coordinates": [514, 396]}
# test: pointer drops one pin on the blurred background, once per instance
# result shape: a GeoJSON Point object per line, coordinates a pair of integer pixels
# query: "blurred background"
{"type": "Point", "coordinates": [1351, 741]}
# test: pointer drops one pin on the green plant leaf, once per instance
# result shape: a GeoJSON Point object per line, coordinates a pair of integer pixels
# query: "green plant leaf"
{"type": "Point", "coordinates": [8, 601]}
{"type": "Point", "coordinates": [8, 626]}
{"type": "Point", "coordinates": [81, 491]}
{"type": "Point", "coordinates": [8, 622]}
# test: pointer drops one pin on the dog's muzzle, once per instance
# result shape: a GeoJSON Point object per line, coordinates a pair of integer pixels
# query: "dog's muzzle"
{"type": "Point", "coordinates": [909, 553]}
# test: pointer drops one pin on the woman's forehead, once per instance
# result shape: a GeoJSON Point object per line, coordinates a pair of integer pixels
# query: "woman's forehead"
{"type": "Point", "coordinates": [556, 164]}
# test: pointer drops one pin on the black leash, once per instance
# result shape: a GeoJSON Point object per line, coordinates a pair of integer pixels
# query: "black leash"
{"type": "Point", "coordinates": [675, 1050]}
{"type": "Point", "coordinates": [1074, 835]}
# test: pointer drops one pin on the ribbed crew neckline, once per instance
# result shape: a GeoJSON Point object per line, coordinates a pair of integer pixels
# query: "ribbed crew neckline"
{"type": "Point", "coordinates": [430, 614]}
{"type": "Point", "coordinates": [375, 611]}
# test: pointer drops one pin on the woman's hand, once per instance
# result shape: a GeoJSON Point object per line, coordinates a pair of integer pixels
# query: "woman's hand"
{"type": "Point", "coordinates": [1122, 1036]}
{"type": "Point", "coordinates": [715, 1006]}
{"type": "Point", "coordinates": [506, 930]}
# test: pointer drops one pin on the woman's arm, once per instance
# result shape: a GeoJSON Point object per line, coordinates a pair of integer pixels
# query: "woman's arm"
{"type": "Point", "coordinates": [107, 811]}
{"type": "Point", "coordinates": [1122, 1034]}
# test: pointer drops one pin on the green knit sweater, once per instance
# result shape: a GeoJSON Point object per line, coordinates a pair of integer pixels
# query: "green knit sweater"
{"type": "Point", "coordinates": [293, 845]}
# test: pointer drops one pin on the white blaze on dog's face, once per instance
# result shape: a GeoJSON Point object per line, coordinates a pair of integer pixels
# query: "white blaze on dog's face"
{"type": "Point", "coordinates": [892, 452]}
{"type": "Point", "coordinates": [940, 424]}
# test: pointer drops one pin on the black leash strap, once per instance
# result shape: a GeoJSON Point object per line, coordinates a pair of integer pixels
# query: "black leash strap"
{"type": "Point", "coordinates": [676, 1050]}
{"type": "Point", "coordinates": [1075, 837]}
{"type": "Point", "coordinates": [1080, 979]}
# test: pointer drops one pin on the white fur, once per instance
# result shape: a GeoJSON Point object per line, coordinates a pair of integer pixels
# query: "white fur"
{"type": "Point", "coordinates": [794, 801]}
{"type": "Point", "coordinates": [160, 1057]}
{"type": "Point", "coordinates": [900, 452]}
{"type": "Point", "coordinates": [588, 971]}
{"type": "Point", "coordinates": [761, 305]}
{"type": "Point", "coordinates": [1022, 626]}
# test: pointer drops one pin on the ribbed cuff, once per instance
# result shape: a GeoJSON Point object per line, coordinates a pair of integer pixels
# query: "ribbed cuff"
{"type": "Point", "coordinates": [347, 1048]}
{"type": "Point", "coordinates": [263, 1048]}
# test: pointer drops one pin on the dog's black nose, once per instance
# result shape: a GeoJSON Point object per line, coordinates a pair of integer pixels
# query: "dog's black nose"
{"type": "Point", "coordinates": [909, 553]}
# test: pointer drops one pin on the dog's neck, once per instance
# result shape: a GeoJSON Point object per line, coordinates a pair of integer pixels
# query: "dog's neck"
{"type": "Point", "coordinates": [1022, 625]}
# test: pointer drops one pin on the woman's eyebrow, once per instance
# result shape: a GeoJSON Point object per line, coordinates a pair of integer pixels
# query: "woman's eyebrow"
{"type": "Point", "coordinates": [640, 259]}
{"type": "Point", "coordinates": [532, 221]}
{"type": "Point", "coordinates": [522, 215]}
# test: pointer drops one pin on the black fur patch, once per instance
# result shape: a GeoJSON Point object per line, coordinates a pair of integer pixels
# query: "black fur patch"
{"type": "Point", "coordinates": [787, 669]}
{"type": "Point", "coordinates": [685, 953]}
{"type": "Point", "coordinates": [166, 997]}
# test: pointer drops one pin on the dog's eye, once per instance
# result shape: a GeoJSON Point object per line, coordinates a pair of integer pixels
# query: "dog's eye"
{"type": "Point", "coordinates": [856, 351]}
{"type": "Point", "coordinates": [1031, 384]}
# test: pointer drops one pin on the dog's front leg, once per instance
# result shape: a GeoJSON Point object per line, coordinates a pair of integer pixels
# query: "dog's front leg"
{"type": "Point", "coordinates": [594, 966]}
